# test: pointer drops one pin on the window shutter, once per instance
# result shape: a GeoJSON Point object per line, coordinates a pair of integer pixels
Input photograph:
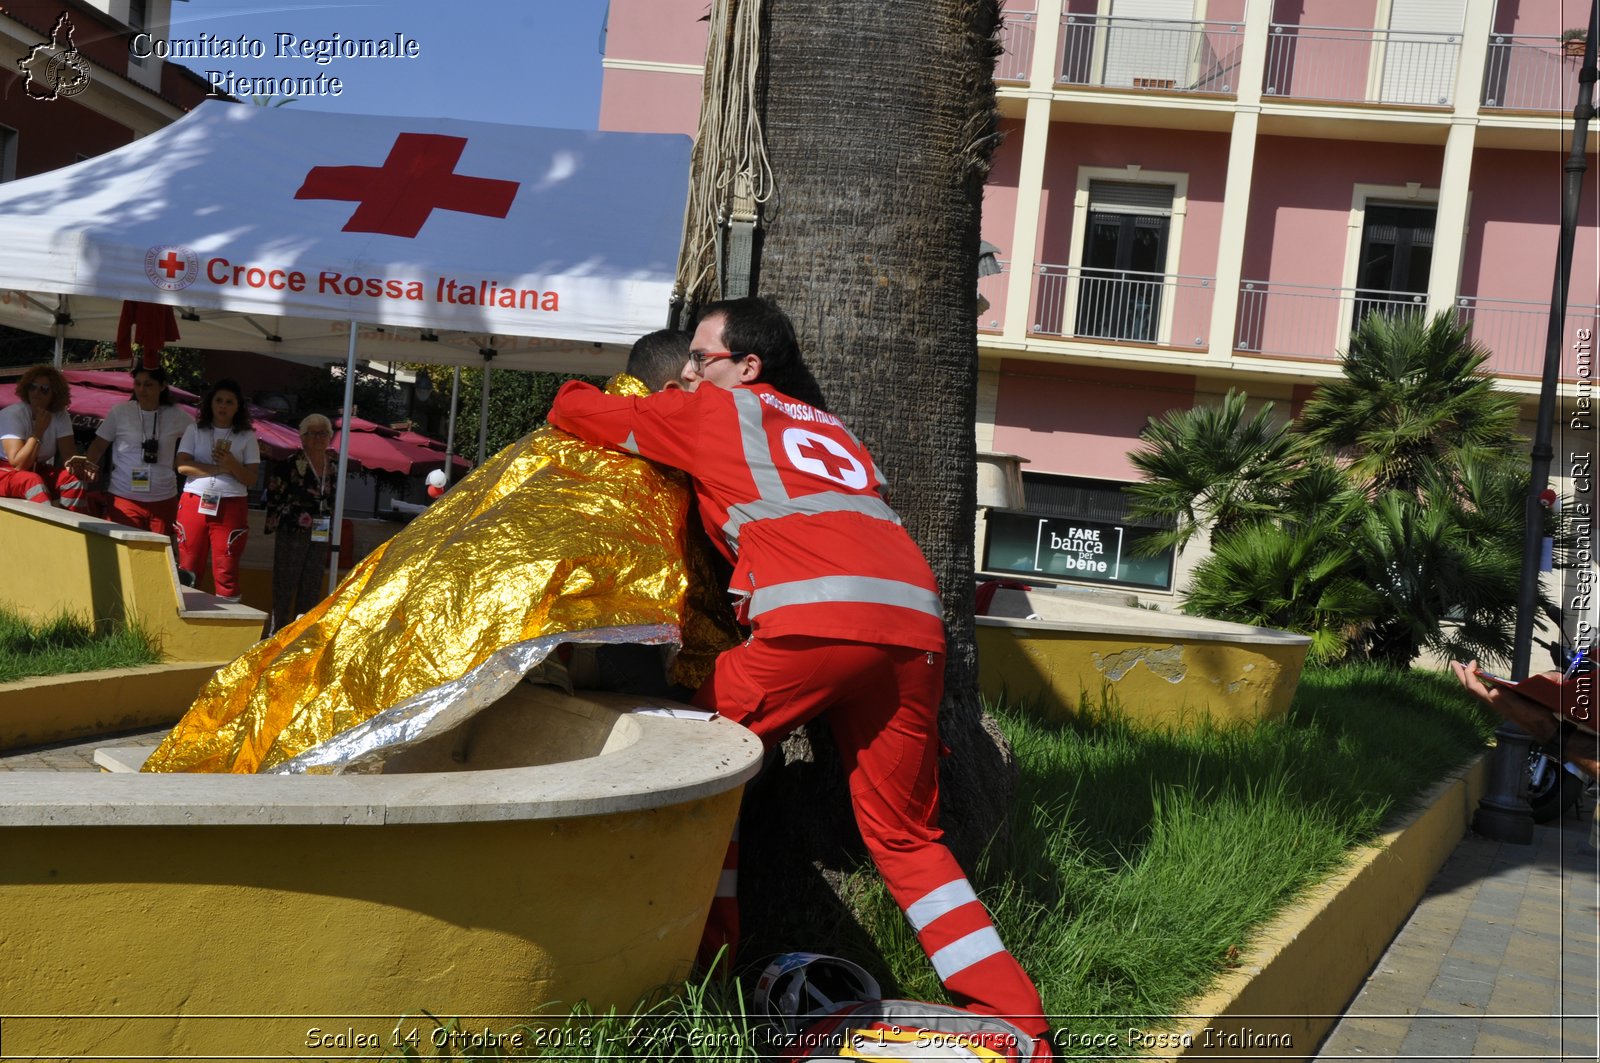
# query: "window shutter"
{"type": "Point", "coordinates": [1130, 197]}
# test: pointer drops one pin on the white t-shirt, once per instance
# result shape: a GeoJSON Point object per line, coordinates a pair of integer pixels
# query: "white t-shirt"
{"type": "Point", "coordinates": [197, 442]}
{"type": "Point", "coordinates": [126, 427]}
{"type": "Point", "coordinates": [16, 422]}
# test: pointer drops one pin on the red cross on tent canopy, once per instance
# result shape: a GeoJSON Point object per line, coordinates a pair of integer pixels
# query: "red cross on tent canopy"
{"type": "Point", "coordinates": [416, 179]}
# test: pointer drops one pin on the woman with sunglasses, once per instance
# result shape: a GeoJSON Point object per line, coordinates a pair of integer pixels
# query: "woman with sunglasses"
{"type": "Point", "coordinates": [222, 459]}
{"type": "Point", "coordinates": [299, 503]}
{"type": "Point", "coordinates": [142, 435]}
{"type": "Point", "coordinates": [42, 463]}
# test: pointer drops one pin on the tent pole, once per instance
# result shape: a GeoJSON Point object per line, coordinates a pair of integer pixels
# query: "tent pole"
{"type": "Point", "coordinates": [450, 433]}
{"type": "Point", "coordinates": [337, 531]}
{"type": "Point", "coordinates": [483, 407]}
{"type": "Point", "coordinates": [61, 331]}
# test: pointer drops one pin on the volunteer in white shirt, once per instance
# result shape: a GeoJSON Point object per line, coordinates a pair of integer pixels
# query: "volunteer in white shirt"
{"type": "Point", "coordinates": [41, 460]}
{"type": "Point", "coordinates": [142, 435]}
{"type": "Point", "coordinates": [222, 459]}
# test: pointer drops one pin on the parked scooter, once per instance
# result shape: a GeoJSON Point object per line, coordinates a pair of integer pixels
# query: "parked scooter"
{"type": "Point", "coordinates": [1555, 786]}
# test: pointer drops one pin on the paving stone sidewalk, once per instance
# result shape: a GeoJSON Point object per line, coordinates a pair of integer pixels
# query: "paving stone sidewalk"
{"type": "Point", "coordinates": [1499, 961]}
{"type": "Point", "coordinates": [74, 756]}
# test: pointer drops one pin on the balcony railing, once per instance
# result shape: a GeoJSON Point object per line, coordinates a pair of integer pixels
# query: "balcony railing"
{"type": "Point", "coordinates": [1515, 331]}
{"type": "Point", "coordinates": [1157, 309]}
{"type": "Point", "coordinates": [1016, 38]}
{"type": "Point", "coordinates": [1529, 74]}
{"type": "Point", "coordinates": [1150, 54]}
{"type": "Point", "coordinates": [993, 289]}
{"type": "Point", "coordinates": [1362, 65]}
{"type": "Point", "coordinates": [1303, 321]}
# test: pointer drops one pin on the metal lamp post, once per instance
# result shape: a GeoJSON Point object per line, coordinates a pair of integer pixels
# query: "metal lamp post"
{"type": "Point", "coordinates": [1503, 813]}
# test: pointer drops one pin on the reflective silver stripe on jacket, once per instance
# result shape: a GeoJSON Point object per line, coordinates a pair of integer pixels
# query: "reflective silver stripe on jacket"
{"type": "Point", "coordinates": [810, 505]}
{"type": "Point", "coordinates": [757, 455]}
{"type": "Point", "coordinates": [868, 590]}
{"type": "Point", "coordinates": [966, 951]}
{"type": "Point", "coordinates": [939, 902]}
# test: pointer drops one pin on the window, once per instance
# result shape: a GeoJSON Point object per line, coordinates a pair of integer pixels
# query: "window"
{"type": "Point", "coordinates": [1396, 260]}
{"type": "Point", "coordinates": [1417, 58]}
{"type": "Point", "coordinates": [8, 153]}
{"type": "Point", "coordinates": [138, 18]}
{"type": "Point", "coordinates": [1124, 261]}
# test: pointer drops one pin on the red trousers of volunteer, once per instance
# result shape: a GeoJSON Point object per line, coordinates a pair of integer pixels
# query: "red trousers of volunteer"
{"type": "Point", "coordinates": [882, 704]}
{"type": "Point", "coordinates": [46, 484]}
{"type": "Point", "coordinates": [159, 517]}
{"type": "Point", "coordinates": [222, 536]}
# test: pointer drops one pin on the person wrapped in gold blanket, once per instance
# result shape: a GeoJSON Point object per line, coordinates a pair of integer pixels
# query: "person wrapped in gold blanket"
{"type": "Point", "coordinates": [552, 541]}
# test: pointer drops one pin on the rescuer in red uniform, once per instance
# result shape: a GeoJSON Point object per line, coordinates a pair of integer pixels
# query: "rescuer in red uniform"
{"type": "Point", "coordinates": [845, 613]}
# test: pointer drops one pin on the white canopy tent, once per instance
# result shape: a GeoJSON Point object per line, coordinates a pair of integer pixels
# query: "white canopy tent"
{"type": "Point", "coordinates": [316, 236]}
{"type": "Point", "coordinates": [271, 229]}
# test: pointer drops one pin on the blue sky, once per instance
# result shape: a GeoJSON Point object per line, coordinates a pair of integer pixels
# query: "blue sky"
{"type": "Point", "coordinates": [528, 62]}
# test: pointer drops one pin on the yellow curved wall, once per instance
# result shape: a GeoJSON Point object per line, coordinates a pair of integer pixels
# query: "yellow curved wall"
{"type": "Point", "coordinates": [312, 927]}
{"type": "Point", "coordinates": [1157, 680]}
{"type": "Point", "coordinates": [59, 708]}
{"type": "Point", "coordinates": [95, 568]}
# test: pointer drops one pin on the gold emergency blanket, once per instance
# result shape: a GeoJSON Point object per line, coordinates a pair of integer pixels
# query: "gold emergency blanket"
{"type": "Point", "coordinates": [552, 540]}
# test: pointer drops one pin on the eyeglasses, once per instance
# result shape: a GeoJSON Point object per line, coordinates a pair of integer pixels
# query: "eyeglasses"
{"type": "Point", "coordinates": [316, 433]}
{"type": "Point", "coordinates": [698, 359]}
{"type": "Point", "coordinates": [41, 385]}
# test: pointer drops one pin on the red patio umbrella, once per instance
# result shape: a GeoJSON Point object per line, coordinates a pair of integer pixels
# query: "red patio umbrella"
{"type": "Point", "coordinates": [375, 446]}
{"type": "Point", "coordinates": [121, 380]}
{"type": "Point", "coordinates": [375, 453]}
{"type": "Point", "coordinates": [95, 391]}
{"type": "Point", "coordinates": [277, 441]}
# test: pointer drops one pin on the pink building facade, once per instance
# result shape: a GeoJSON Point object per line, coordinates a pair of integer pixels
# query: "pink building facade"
{"type": "Point", "coordinates": [1197, 195]}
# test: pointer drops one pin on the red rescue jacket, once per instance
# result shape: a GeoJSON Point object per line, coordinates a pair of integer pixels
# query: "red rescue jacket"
{"type": "Point", "coordinates": [789, 496]}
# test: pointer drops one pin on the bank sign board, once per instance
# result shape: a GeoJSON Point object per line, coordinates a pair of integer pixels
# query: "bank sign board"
{"type": "Point", "coordinates": [1028, 544]}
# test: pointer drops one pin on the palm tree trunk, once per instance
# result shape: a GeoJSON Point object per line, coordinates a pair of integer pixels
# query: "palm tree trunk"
{"type": "Point", "coordinates": [880, 125]}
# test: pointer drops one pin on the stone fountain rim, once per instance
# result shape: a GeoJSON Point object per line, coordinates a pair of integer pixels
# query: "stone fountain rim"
{"type": "Point", "coordinates": [671, 762]}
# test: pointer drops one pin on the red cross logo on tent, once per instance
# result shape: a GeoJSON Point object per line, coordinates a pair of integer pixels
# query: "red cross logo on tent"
{"type": "Point", "coordinates": [416, 179]}
{"type": "Point", "coordinates": [170, 268]}
{"type": "Point", "coordinates": [824, 457]}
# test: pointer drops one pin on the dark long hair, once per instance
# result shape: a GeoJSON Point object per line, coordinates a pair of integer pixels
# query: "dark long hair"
{"type": "Point", "coordinates": [159, 375]}
{"type": "Point", "coordinates": [240, 419]}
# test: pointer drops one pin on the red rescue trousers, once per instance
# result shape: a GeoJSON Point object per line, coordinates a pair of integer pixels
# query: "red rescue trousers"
{"type": "Point", "coordinates": [45, 485]}
{"type": "Point", "coordinates": [882, 704]}
{"type": "Point", "coordinates": [221, 536]}
{"type": "Point", "coordinates": [160, 517]}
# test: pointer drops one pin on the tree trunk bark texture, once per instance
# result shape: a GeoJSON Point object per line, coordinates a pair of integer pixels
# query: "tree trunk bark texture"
{"type": "Point", "coordinates": [880, 124]}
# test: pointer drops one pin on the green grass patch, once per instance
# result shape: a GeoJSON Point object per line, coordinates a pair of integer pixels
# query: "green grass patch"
{"type": "Point", "coordinates": [1140, 866]}
{"type": "Point", "coordinates": [65, 644]}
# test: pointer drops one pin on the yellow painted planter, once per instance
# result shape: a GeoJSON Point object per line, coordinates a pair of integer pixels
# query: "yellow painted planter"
{"type": "Point", "coordinates": [61, 708]}
{"type": "Point", "coordinates": [1163, 669]}
{"type": "Point", "coordinates": [105, 571]}
{"type": "Point", "coordinates": [265, 915]}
